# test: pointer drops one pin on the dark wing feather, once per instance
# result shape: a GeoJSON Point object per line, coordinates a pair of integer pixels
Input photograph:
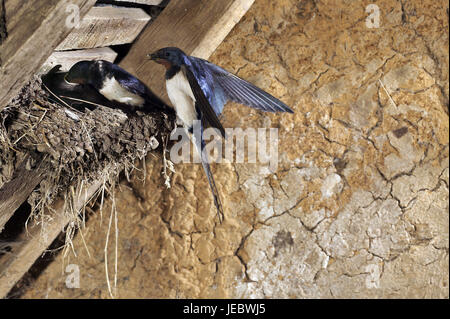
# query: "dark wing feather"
{"type": "Point", "coordinates": [205, 78]}
{"type": "Point", "coordinates": [244, 92]}
{"type": "Point", "coordinates": [202, 102]}
{"type": "Point", "coordinates": [239, 90]}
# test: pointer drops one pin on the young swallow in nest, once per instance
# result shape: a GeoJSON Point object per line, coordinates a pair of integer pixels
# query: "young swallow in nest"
{"type": "Point", "coordinates": [199, 89]}
{"type": "Point", "coordinates": [117, 86]}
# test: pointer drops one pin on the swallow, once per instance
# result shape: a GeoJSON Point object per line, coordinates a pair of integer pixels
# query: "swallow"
{"type": "Point", "coordinates": [116, 85]}
{"type": "Point", "coordinates": [199, 89]}
{"type": "Point", "coordinates": [76, 95]}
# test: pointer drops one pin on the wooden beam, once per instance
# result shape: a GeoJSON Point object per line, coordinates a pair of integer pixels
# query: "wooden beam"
{"type": "Point", "coordinates": [34, 29]}
{"type": "Point", "coordinates": [15, 264]}
{"type": "Point", "coordinates": [69, 58]}
{"type": "Point", "coordinates": [104, 26]}
{"type": "Point", "coordinates": [195, 26]}
{"type": "Point", "coordinates": [17, 190]}
{"type": "Point", "coordinates": [3, 33]}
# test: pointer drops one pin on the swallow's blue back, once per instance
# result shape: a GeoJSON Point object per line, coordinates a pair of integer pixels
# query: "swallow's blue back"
{"type": "Point", "coordinates": [221, 86]}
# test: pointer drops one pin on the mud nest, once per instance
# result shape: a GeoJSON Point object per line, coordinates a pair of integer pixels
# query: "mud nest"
{"type": "Point", "coordinates": [75, 147]}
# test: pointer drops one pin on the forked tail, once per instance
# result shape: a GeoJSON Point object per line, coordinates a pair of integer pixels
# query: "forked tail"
{"type": "Point", "coordinates": [215, 192]}
{"type": "Point", "coordinates": [212, 184]}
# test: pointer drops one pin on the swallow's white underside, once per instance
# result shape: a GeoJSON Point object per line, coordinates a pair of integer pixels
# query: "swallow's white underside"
{"type": "Point", "coordinates": [113, 91]}
{"type": "Point", "coordinates": [182, 98]}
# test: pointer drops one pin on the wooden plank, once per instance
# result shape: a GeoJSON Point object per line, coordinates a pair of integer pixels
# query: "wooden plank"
{"type": "Point", "coordinates": [104, 26]}
{"type": "Point", "coordinates": [14, 265]}
{"type": "Point", "coordinates": [17, 190]}
{"type": "Point", "coordinates": [69, 58]}
{"type": "Point", "coordinates": [195, 26]}
{"type": "Point", "coordinates": [34, 29]}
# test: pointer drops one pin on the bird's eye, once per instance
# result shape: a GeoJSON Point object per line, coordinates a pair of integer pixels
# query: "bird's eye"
{"type": "Point", "coordinates": [167, 54]}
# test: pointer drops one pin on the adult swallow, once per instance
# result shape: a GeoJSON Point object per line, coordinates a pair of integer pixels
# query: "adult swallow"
{"type": "Point", "coordinates": [116, 85]}
{"type": "Point", "coordinates": [199, 89]}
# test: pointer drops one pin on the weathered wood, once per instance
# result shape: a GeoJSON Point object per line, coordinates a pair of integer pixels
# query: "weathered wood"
{"type": "Point", "coordinates": [3, 33]}
{"type": "Point", "coordinates": [69, 58]}
{"type": "Point", "coordinates": [14, 265]}
{"type": "Point", "coordinates": [195, 26]}
{"type": "Point", "coordinates": [34, 29]}
{"type": "Point", "coordinates": [17, 190]}
{"type": "Point", "coordinates": [104, 26]}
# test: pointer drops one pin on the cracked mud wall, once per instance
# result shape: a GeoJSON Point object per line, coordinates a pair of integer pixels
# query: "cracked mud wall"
{"type": "Point", "coordinates": [359, 204]}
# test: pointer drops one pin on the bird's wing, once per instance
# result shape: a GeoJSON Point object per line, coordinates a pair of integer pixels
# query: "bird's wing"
{"type": "Point", "coordinates": [237, 89]}
{"type": "Point", "coordinates": [212, 90]}
{"type": "Point", "coordinates": [135, 86]}
{"type": "Point", "coordinates": [201, 101]}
